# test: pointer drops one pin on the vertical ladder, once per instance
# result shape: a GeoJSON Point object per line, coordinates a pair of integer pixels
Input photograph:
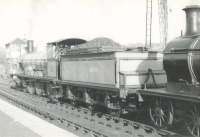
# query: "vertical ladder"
{"type": "Point", "coordinates": [148, 23]}
{"type": "Point", "coordinates": [163, 22]}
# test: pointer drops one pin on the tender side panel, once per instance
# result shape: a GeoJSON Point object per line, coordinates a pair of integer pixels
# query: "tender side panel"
{"type": "Point", "coordinates": [138, 79]}
{"type": "Point", "coordinates": [135, 71]}
{"type": "Point", "coordinates": [89, 71]}
{"type": "Point", "coordinates": [52, 69]}
{"type": "Point", "coordinates": [140, 65]}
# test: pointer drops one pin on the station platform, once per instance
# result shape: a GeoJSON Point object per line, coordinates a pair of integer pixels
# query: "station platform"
{"type": "Point", "coordinates": [15, 122]}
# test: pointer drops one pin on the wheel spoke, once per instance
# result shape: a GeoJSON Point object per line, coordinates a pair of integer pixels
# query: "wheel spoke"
{"type": "Point", "coordinates": [160, 122]}
{"type": "Point", "coordinates": [156, 122]}
{"type": "Point", "coordinates": [161, 114]}
{"type": "Point", "coordinates": [190, 123]}
{"type": "Point", "coordinates": [152, 115]}
{"type": "Point", "coordinates": [193, 125]}
{"type": "Point", "coordinates": [171, 118]}
{"type": "Point", "coordinates": [193, 129]}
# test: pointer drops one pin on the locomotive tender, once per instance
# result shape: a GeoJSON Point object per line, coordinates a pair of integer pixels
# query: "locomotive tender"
{"type": "Point", "coordinates": [101, 72]}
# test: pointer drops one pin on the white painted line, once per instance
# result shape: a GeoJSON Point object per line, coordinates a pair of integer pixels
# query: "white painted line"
{"type": "Point", "coordinates": [34, 123]}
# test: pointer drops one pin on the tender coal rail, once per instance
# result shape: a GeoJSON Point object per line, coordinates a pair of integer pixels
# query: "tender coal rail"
{"type": "Point", "coordinates": [80, 120]}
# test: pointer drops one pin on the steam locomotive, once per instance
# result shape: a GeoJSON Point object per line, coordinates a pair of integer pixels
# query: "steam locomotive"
{"type": "Point", "coordinates": [179, 100]}
{"type": "Point", "coordinates": [102, 73]}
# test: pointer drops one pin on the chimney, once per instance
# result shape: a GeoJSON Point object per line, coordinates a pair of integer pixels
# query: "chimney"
{"type": "Point", "coordinates": [30, 46]}
{"type": "Point", "coordinates": [192, 20]}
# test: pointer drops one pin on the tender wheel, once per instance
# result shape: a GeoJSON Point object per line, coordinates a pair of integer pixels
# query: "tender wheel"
{"type": "Point", "coordinates": [161, 113]}
{"type": "Point", "coordinates": [193, 122]}
{"type": "Point", "coordinates": [116, 115]}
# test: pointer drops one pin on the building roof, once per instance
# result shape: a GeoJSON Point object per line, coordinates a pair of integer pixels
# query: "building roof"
{"type": "Point", "coordinates": [17, 41]}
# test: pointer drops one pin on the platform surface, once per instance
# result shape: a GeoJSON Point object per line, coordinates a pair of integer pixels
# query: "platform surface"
{"type": "Point", "coordinates": [15, 122]}
{"type": "Point", "coordinates": [12, 128]}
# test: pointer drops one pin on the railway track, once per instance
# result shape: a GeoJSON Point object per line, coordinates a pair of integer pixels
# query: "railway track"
{"type": "Point", "coordinates": [80, 120]}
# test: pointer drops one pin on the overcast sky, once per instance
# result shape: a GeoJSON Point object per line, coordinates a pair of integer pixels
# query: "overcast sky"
{"type": "Point", "coordinates": [121, 20]}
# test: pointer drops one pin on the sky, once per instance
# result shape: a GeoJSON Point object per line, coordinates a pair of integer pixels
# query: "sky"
{"type": "Point", "coordinates": [120, 20]}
